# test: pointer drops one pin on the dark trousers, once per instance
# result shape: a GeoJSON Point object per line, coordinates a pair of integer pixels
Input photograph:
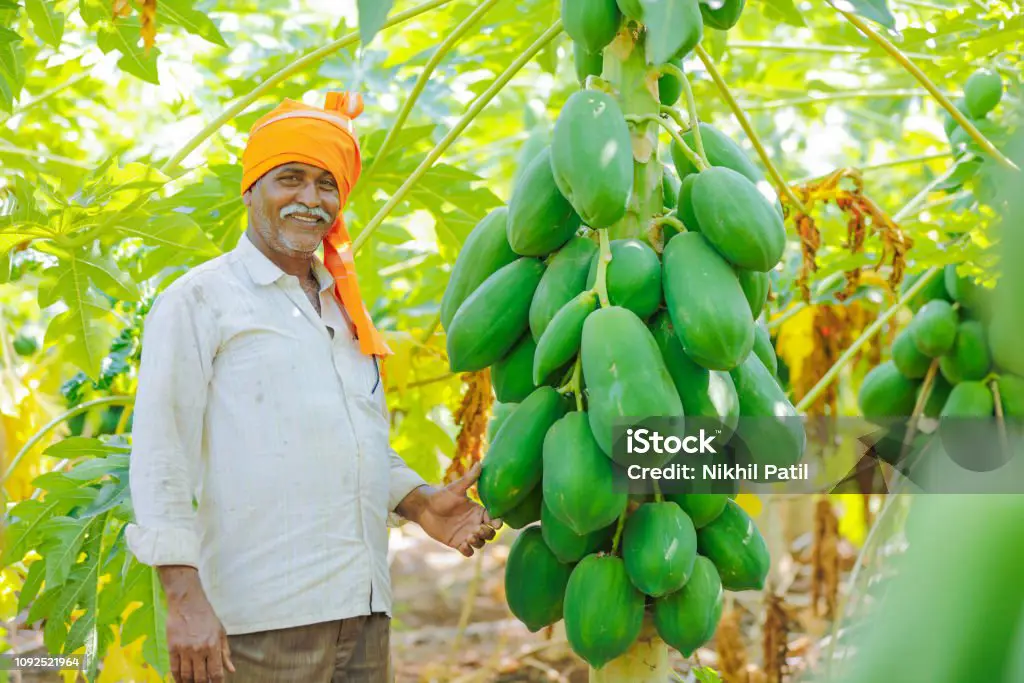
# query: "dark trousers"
{"type": "Point", "coordinates": [346, 651]}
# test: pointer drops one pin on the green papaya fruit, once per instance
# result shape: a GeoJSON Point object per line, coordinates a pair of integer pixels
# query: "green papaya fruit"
{"type": "Point", "coordinates": [965, 291]}
{"type": "Point", "coordinates": [764, 349]}
{"type": "Point", "coordinates": [669, 188]}
{"type": "Point", "coordinates": [933, 328]}
{"type": "Point", "coordinates": [499, 413]}
{"type": "Point", "coordinates": [703, 392]}
{"type": "Point", "coordinates": [674, 28]}
{"type": "Point", "coordinates": [949, 124]}
{"type": "Point", "coordinates": [586, 63]}
{"type": "Point", "coordinates": [1004, 336]}
{"type": "Point", "coordinates": [961, 142]}
{"type": "Point", "coordinates": [568, 546]}
{"type": "Point", "coordinates": [535, 581]}
{"type": "Point", "coordinates": [935, 289]}
{"type": "Point", "coordinates": [592, 157]}
{"type": "Point", "coordinates": [720, 151]}
{"type": "Point", "coordinates": [540, 218]}
{"type": "Point", "coordinates": [701, 508]}
{"type": "Point", "coordinates": [632, 9]}
{"type": "Point", "coordinates": [527, 512]}
{"type": "Point", "coordinates": [603, 611]}
{"type": "Point", "coordinates": [511, 376]}
{"type": "Point", "coordinates": [770, 425]}
{"type": "Point", "coordinates": [755, 287]}
{"type": "Point", "coordinates": [937, 397]}
{"type": "Point", "coordinates": [538, 138]}
{"type": "Point", "coordinates": [659, 547]}
{"type": "Point", "coordinates": [24, 345]}
{"type": "Point", "coordinates": [969, 399]}
{"type": "Point", "coordinates": [688, 618]}
{"type": "Point", "coordinates": [561, 340]}
{"type": "Point", "coordinates": [721, 14]}
{"type": "Point", "coordinates": [514, 461]}
{"type": "Point", "coordinates": [494, 317]}
{"type": "Point", "coordinates": [737, 220]}
{"type": "Point", "coordinates": [583, 505]}
{"type": "Point", "coordinates": [982, 92]}
{"type": "Point", "coordinates": [885, 393]}
{"type": "Point", "coordinates": [633, 277]}
{"type": "Point", "coordinates": [704, 298]}
{"type": "Point", "coordinates": [591, 23]}
{"type": "Point", "coordinates": [624, 373]}
{"type": "Point", "coordinates": [969, 359]}
{"type": "Point", "coordinates": [911, 363]}
{"type": "Point", "coordinates": [485, 251]}
{"type": "Point", "coordinates": [565, 278]}
{"type": "Point", "coordinates": [1011, 395]}
{"type": "Point", "coordinates": [685, 204]}
{"type": "Point", "coordinates": [737, 549]}
{"type": "Point", "coordinates": [669, 85]}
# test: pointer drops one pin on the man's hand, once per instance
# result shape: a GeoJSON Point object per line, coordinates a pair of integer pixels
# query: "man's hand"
{"type": "Point", "coordinates": [449, 516]}
{"type": "Point", "coordinates": [195, 636]}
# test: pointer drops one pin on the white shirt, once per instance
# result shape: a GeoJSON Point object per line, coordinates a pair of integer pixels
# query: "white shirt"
{"type": "Point", "coordinates": [280, 432]}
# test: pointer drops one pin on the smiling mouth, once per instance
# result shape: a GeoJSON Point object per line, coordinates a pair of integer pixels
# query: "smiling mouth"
{"type": "Point", "coordinates": [306, 219]}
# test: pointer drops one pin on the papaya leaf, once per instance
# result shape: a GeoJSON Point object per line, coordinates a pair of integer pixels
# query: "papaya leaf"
{"type": "Point", "coordinates": [33, 582]}
{"type": "Point", "coordinates": [79, 446]}
{"type": "Point", "coordinates": [93, 11]}
{"type": "Point", "coordinates": [124, 37]}
{"type": "Point", "coordinates": [104, 273]}
{"type": "Point", "coordinates": [47, 22]}
{"type": "Point", "coordinates": [177, 230]}
{"type": "Point", "coordinates": [8, 36]}
{"type": "Point", "coordinates": [784, 10]}
{"type": "Point", "coordinates": [182, 13]}
{"type": "Point", "coordinates": [97, 468]}
{"type": "Point", "coordinates": [148, 621]}
{"type": "Point", "coordinates": [372, 15]}
{"type": "Point", "coordinates": [86, 339]}
{"type": "Point", "coordinates": [61, 542]}
{"type": "Point", "coordinates": [875, 10]}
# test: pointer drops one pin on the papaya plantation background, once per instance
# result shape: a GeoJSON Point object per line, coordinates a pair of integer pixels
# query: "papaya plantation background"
{"type": "Point", "coordinates": [121, 127]}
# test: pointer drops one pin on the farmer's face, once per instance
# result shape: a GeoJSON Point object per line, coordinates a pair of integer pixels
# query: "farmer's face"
{"type": "Point", "coordinates": [292, 207]}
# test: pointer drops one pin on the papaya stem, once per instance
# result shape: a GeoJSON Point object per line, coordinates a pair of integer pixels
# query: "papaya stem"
{"type": "Point", "coordinates": [923, 79]}
{"type": "Point", "coordinates": [67, 415]}
{"type": "Point", "coordinates": [669, 220]}
{"type": "Point", "coordinates": [1000, 417]}
{"type": "Point", "coordinates": [295, 67]}
{"type": "Point", "coordinates": [691, 108]}
{"type": "Point", "coordinates": [864, 338]}
{"type": "Point", "coordinates": [604, 258]}
{"type": "Point", "coordinates": [618, 532]}
{"type": "Point", "coordinates": [922, 400]}
{"type": "Point", "coordinates": [677, 117]}
{"type": "Point", "coordinates": [694, 158]}
{"type": "Point", "coordinates": [482, 101]}
{"type": "Point", "coordinates": [741, 116]}
{"type": "Point", "coordinates": [577, 389]}
{"type": "Point", "coordinates": [657, 491]}
{"type": "Point", "coordinates": [424, 77]}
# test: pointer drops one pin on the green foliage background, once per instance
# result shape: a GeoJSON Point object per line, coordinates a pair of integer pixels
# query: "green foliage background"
{"type": "Point", "coordinates": [110, 188]}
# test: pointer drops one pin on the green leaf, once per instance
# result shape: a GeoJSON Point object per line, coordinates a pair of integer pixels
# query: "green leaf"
{"type": "Point", "coordinates": [8, 36]}
{"type": "Point", "coordinates": [94, 11]}
{"type": "Point", "coordinates": [80, 446]}
{"type": "Point", "coordinates": [124, 37]}
{"type": "Point", "coordinates": [182, 13]}
{"type": "Point", "coordinates": [105, 275]}
{"type": "Point", "coordinates": [875, 10]}
{"type": "Point", "coordinates": [784, 10]}
{"type": "Point", "coordinates": [148, 620]}
{"type": "Point", "coordinates": [47, 22]}
{"type": "Point", "coordinates": [372, 15]}
{"type": "Point", "coordinates": [62, 539]}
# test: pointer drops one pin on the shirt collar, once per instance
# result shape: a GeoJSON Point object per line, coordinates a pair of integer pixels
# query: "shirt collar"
{"type": "Point", "coordinates": [263, 271]}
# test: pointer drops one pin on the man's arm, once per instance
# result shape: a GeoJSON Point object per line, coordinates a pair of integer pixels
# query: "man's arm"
{"type": "Point", "coordinates": [179, 342]}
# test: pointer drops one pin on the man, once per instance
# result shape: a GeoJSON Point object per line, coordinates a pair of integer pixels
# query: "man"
{"type": "Point", "coordinates": [260, 398]}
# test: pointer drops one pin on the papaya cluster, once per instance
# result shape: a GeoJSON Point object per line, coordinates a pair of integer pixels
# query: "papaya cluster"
{"type": "Point", "coordinates": [581, 332]}
{"type": "Point", "coordinates": [983, 90]}
{"type": "Point", "coordinates": [953, 323]}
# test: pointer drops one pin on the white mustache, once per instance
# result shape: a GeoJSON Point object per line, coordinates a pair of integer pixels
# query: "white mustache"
{"type": "Point", "coordinates": [302, 208]}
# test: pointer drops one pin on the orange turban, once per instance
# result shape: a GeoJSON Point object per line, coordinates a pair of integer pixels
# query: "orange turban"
{"type": "Point", "coordinates": [325, 138]}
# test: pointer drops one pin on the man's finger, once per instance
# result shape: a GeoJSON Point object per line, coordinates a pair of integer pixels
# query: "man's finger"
{"type": "Point", "coordinates": [460, 486]}
{"type": "Point", "coordinates": [494, 523]}
{"type": "Point", "coordinates": [465, 550]}
{"type": "Point", "coordinates": [487, 533]}
{"type": "Point", "coordinates": [176, 665]}
{"type": "Point", "coordinates": [478, 542]}
{"type": "Point", "coordinates": [215, 666]}
{"type": "Point", "coordinates": [186, 668]}
{"type": "Point", "coordinates": [199, 667]}
{"type": "Point", "coordinates": [225, 652]}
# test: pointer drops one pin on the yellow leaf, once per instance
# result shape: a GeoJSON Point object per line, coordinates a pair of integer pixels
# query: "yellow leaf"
{"type": "Point", "coordinates": [852, 523]}
{"type": "Point", "coordinates": [795, 342]}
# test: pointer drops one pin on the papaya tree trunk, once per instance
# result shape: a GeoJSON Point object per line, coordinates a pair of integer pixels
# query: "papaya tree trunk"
{"type": "Point", "coordinates": [645, 662]}
{"type": "Point", "coordinates": [636, 89]}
